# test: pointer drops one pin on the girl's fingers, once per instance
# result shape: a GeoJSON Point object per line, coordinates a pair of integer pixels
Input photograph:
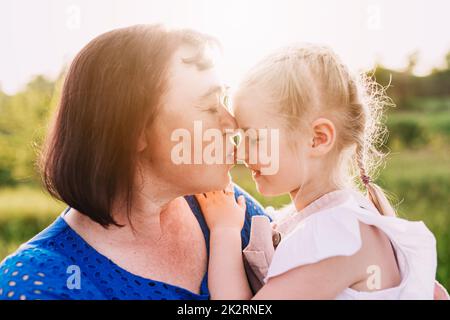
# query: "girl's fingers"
{"type": "Point", "coordinates": [201, 197]}
{"type": "Point", "coordinates": [220, 194]}
{"type": "Point", "coordinates": [241, 202]}
{"type": "Point", "coordinates": [229, 189]}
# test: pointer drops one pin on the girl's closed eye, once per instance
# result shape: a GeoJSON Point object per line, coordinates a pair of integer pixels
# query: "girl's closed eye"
{"type": "Point", "coordinates": [253, 140]}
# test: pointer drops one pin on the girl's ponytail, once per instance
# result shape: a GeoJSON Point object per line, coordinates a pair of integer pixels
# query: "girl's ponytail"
{"type": "Point", "coordinates": [374, 192]}
{"type": "Point", "coordinates": [379, 199]}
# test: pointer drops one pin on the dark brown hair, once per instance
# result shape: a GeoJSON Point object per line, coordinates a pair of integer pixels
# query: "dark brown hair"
{"type": "Point", "coordinates": [111, 93]}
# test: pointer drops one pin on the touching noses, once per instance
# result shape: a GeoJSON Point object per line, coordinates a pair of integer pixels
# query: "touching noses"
{"type": "Point", "coordinates": [227, 121]}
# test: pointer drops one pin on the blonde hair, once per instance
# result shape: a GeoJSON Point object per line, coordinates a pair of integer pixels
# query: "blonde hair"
{"type": "Point", "coordinates": [306, 80]}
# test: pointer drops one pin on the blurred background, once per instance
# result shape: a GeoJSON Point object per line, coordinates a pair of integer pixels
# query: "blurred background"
{"type": "Point", "coordinates": [404, 44]}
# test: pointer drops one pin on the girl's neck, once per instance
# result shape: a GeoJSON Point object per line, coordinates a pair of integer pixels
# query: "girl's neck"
{"type": "Point", "coordinates": [309, 192]}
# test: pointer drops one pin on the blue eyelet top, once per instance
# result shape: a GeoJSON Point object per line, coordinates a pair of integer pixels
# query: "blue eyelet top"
{"type": "Point", "coordinates": [59, 264]}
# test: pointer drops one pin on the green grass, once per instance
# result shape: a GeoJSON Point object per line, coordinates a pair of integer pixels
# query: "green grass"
{"type": "Point", "coordinates": [24, 212]}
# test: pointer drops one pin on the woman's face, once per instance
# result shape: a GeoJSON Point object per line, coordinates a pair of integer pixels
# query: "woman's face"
{"type": "Point", "coordinates": [177, 151]}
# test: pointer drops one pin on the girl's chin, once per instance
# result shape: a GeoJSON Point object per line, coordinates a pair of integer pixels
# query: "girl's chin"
{"type": "Point", "coordinates": [265, 186]}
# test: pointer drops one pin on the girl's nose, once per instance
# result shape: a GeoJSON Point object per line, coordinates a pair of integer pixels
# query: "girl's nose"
{"type": "Point", "coordinates": [227, 121]}
{"type": "Point", "coordinates": [242, 149]}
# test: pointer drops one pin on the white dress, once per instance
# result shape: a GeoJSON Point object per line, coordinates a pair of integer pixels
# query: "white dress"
{"type": "Point", "coordinates": [329, 227]}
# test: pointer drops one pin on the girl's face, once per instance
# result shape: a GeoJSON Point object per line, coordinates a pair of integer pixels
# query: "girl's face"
{"type": "Point", "coordinates": [254, 111]}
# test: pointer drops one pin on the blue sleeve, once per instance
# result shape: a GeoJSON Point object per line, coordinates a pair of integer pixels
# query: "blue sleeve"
{"type": "Point", "coordinates": [36, 273]}
{"type": "Point", "coordinates": [253, 208]}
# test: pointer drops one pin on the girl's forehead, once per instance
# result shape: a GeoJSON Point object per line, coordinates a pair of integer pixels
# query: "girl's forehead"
{"type": "Point", "coordinates": [252, 100]}
{"type": "Point", "coordinates": [246, 94]}
{"type": "Point", "coordinates": [253, 112]}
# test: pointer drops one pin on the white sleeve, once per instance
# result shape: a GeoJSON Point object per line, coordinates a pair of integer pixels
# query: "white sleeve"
{"type": "Point", "coordinates": [320, 236]}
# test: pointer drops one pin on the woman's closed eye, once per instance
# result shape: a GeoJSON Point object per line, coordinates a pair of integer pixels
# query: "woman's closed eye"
{"type": "Point", "coordinates": [209, 108]}
{"type": "Point", "coordinates": [222, 102]}
{"type": "Point", "coordinates": [213, 109]}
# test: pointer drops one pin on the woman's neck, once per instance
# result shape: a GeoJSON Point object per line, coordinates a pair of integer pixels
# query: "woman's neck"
{"type": "Point", "coordinates": [144, 222]}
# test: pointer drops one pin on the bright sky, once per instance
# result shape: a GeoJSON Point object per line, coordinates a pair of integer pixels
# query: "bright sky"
{"type": "Point", "coordinates": [39, 37]}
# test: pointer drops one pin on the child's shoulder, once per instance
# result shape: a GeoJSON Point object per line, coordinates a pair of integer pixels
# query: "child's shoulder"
{"type": "Point", "coordinates": [318, 237]}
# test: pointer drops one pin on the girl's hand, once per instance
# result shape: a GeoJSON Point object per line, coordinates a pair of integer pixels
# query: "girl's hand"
{"type": "Point", "coordinates": [220, 209]}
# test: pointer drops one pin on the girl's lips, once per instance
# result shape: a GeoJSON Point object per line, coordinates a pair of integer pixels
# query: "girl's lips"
{"type": "Point", "coordinates": [256, 173]}
{"type": "Point", "coordinates": [231, 157]}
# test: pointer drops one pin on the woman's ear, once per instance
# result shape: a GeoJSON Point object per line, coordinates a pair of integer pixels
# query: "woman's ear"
{"type": "Point", "coordinates": [324, 136]}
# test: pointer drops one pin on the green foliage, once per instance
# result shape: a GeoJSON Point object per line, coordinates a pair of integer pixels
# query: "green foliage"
{"type": "Point", "coordinates": [414, 130]}
{"type": "Point", "coordinates": [24, 211]}
{"type": "Point", "coordinates": [409, 133]}
{"type": "Point", "coordinates": [23, 121]}
{"type": "Point", "coordinates": [404, 87]}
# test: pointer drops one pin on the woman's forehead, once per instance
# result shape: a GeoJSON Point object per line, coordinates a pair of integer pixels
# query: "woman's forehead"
{"type": "Point", "coordinates": [188, 80]}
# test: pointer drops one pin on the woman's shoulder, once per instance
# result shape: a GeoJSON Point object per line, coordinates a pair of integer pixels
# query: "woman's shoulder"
{"type": "Point", "coordinates": [31, 273]}
{"type": "Point", "coordinates": [35, 272]}
{"type": "Point", "coordinates": [40, 270]}
{"type": "Point", "coordinates": [253, 208]}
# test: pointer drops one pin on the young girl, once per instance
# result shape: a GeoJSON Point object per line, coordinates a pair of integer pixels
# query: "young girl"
{"type": "Point", "coordinates": [337, 243]}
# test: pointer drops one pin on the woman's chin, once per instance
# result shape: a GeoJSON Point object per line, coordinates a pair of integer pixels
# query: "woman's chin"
{"type": "Point", "coordinates": [227, 180]}
{"type": "Point", "coordinates": [223, 181]}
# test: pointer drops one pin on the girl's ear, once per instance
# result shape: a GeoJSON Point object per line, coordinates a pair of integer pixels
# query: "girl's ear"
{"type": "Point", "coordinates": [324, 136]}
{"type": "Point", "coordinates": [142, 142]}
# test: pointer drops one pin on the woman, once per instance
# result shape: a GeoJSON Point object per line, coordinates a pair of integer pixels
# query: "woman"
{"type": "Point", "coordinates": [128, 232]}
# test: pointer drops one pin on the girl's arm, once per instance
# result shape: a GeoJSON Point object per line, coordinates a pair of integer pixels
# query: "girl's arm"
{"type": "Point", "coordinates": [227, 279]}
{"type": "Point", "coordinates": [323, 280]}
{"type": "Point", "coordinates": [226, 275]}
{"type": "Point", "coordinates": [225, 218]}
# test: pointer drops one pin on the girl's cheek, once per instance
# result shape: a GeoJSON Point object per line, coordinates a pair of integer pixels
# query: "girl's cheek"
{"type": "Point", "coordinates": [252, 155]}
